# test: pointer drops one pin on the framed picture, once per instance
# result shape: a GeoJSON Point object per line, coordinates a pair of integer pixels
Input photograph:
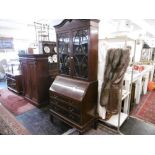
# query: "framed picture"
{"type": "Point", "coordinates": [6, 43]}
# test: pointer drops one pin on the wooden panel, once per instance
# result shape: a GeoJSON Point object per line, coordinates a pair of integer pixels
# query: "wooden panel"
{"type": "Point", "coordinates": [26, 80]}
{"type": "Point", "coordinates": [33, 81]}
{"type": "Point", "coordinates": [35, 77]}
{"type": "Point", "coordinates": [71, 88]}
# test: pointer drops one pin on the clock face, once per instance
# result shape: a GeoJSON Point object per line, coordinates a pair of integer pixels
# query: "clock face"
{"type": "Point", "coordinates": [50, 60]}
{"type": "Point", "coordinates": [55, 49]}
{"type": "Point", "coordinates": [54, 58]}
{"type": "Point", "coordinates": [46, 49]}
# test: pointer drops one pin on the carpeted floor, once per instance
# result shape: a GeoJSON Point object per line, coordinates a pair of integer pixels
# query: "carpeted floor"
{"type": "Point", "coordinates": [14, 103]}
{"type": "Point", "coordinates": [9, 124]}
{"type": "Point", "coordinates": [145, 110]}
{"type": "Point", "coordinates": [37, 121]}
{"type": "Point", "coordinates": [135, 126]}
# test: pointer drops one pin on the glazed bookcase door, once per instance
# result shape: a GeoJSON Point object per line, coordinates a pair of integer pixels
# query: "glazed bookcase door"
{"type": "Point", "coordinates": [80, 53]}
{"type": "Point", "coordinates": [64, 53]}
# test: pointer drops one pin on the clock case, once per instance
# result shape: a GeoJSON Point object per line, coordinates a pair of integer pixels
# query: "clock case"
{"type": "Point", "coordinates": [49, 44]}
{"type": "Point", "coordinates": [53, 66]}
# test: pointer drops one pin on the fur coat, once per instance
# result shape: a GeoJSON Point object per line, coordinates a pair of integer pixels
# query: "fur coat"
{"type": "Point", "coordinates": [117, 61]}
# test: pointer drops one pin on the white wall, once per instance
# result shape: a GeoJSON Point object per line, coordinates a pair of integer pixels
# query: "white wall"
{"type": "Point", "coordinates": [21, 36]}
{"type": "Point", "coordinates": [24, 34]}
{"type": "Point", "coordinates": [21, 40]}
{"type": "Point", "coordinates": [139, 47]}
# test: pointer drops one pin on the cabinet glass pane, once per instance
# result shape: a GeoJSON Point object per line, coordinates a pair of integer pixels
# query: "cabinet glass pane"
{"type": "Point", "coordinates": [63, 49]}
{"type": "Point", "coordinates": [80, 53]}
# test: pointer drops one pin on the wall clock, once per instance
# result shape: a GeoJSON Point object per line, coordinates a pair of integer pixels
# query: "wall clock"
{"type": "Point", "coordinates": [46, 49]}
{"type": "Point", "coordinates": [55, 49]}
{"type": "Point", "coordinates": [54, 58]}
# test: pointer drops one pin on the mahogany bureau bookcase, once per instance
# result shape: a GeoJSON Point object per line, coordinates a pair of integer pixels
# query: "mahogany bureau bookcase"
{"type": "Point", "coordinates": [73, 94]}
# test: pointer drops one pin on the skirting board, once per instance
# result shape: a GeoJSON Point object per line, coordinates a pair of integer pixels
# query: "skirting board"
{"type": "Point", "coordinates": [113, 121]}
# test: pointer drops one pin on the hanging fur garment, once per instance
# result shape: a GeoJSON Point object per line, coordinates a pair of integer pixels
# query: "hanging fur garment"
{"type": "Point", "coordinates": [117, 61]}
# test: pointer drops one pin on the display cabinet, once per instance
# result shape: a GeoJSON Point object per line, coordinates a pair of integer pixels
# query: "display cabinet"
{"type": "Point", "coordinates": [77, 46]}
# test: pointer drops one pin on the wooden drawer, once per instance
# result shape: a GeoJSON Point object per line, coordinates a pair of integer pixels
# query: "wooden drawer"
{"type": "Point", "coordinates": [68, 105]}
{"type": "Point", "coordinates": [61, 111]}
{"type": "Point", "coordinates": [65, 106]}
{"type": "Point", "coordinates": [70, 101]}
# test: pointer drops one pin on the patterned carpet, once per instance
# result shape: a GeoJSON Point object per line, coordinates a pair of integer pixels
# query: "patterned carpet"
{"type": "Point", "coordinates": [9, 125]}
{"type": "Point", "coordinates": [14, 103]}
{"type": "Point", "coordinates": [145, 110]}
{"type": "Point", "coordinates": [35, 120]}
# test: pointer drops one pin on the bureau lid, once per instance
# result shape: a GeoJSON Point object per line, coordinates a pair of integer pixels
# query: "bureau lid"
{"type": "Point", "coordinates": [72, 88]}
